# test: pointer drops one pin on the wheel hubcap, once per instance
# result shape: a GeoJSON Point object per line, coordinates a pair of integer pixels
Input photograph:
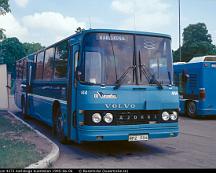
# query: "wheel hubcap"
{"type": "Point", "coordinates": [192, 108]}
{"type": "Point", "coordinates": [59, 124]}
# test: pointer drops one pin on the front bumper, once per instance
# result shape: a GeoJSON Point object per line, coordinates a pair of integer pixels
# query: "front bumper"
{"type": "Point", "coordinates": [121, 133]}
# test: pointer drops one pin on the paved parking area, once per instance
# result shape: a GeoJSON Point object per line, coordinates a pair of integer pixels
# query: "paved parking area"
{"type": "Point", "coordinates": [194, 148]}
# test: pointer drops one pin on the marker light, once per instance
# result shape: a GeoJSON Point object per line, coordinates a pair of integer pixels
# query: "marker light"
{"type": "Point", "coordinates": [108, 118]}
{"type": "Point", "coordinates": [174, 116]}
{"type": "Point", "coordinates": [96, 118]}
{"type": "Point", "coordinates": [202, 93]}
{"type": "Point", "coordinates": [165, 116]}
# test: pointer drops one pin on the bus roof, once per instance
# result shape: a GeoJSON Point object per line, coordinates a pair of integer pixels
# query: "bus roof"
{"type": "Point", "coordinates": [83, 32]}
{"type": "Point", "coordinates": [127, 32]}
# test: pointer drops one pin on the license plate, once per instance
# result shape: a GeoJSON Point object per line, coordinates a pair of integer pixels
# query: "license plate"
{"type": "Point", "coordinates": [135, 138]}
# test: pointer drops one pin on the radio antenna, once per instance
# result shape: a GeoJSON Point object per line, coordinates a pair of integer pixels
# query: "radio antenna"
{"type": "Point", "coordinates": [90, 24]}
{"type": "Point", "coordinates": [180, 49]}
{"type": "Point", "coordinates": [134, 15]}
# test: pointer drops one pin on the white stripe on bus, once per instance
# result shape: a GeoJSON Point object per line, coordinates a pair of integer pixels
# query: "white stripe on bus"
{"type": "Point", "coordinates": [47, 98]}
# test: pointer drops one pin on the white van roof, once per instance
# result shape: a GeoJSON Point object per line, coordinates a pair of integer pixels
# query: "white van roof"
{"type": "Point", "coordinates": [208, 58]}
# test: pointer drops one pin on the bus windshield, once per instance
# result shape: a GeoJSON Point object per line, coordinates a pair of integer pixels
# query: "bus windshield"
{"type": "Point", "coordinates": [106, 57]}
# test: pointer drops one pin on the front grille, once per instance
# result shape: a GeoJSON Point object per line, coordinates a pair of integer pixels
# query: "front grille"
{"type": "Point", "coordinates": [126, 117]}
{"type": "Point", "coordinates": [130, 118]}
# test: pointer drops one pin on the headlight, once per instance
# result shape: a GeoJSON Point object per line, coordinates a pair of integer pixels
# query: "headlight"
{"type": "Point", "coordinates": [108, 118]}
{"type": "Point", "coordinates": [174, 116]}
{"type": "Point", "coordinates": [96, 118]}
{"type": "Point", "coordinates": [165, 116]}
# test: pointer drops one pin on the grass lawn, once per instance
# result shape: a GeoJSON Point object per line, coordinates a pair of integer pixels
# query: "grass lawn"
{"type": "Point", "coordinates": [15, 152]}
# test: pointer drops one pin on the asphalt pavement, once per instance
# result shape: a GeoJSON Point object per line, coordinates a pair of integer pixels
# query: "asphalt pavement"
{"type": "Point", "coordinates": [194, 148]}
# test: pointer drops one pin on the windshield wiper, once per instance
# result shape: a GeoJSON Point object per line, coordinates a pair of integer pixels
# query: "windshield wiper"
{"type": "Point", "coordinates": [119, 81]}
{"type": "Point", "coordinates": [149, 76]}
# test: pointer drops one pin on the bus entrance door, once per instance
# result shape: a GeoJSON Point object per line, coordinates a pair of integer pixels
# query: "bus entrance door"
{"type": "Point", "coordinates": [71, 92]}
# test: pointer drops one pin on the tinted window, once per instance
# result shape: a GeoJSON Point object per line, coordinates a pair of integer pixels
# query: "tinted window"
{"type": "Point", "coordinates": [19, 70]}
{"type": "Point", "coordinates": [61, 58]}
{"type": "Point", "coordinates": [76, 60]}
{"type": "Point", "coordinates": [35, 59]}
{"type": "Point", "coordinates": [93, 67]}
{"type": "Point", "coordinates": [24, 66]}
{"type": "Point", "coordinates": [39, 70]}
{"type": "Point", "coordinates": [107, 57]}
{"type": "Point", "coordinates": [213, 58]}
{"type": "Point", "coordinates": [48, 64]}
{"type": "Point", "coordinates": [154, 56]}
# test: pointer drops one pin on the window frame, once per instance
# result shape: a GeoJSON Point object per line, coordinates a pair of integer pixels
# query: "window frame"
{"type": "Point", "coordinates": [37, 65]}
{"type": "Point", "coordinates": [54, 64]}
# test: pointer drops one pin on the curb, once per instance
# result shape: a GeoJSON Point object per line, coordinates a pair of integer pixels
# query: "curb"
{"type": "Point", "coordinates": [50, 158]}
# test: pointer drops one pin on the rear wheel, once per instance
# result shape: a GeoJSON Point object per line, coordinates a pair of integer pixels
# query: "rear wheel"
{"type": "Point", "coordinates": [59, 126]}
{"type": "Point", "coordinates": [191, 109]}
{"type": "Point", "coordinates": [24, 112]}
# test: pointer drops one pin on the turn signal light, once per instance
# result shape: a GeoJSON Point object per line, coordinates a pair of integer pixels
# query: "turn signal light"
{"type": "Point", "coordinates": [202, 93]}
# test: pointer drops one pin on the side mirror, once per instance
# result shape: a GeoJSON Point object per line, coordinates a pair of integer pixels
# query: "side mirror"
{"type": "Point", "coordinates": [78, 74]}
{"type": "Point", "coordinates": [185, 77]}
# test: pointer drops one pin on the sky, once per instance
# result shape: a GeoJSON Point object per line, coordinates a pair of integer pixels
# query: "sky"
{"type": "Point", "coordinates": [48, 21]}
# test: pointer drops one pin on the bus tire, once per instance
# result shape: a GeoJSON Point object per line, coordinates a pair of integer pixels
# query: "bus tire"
{"type": "Point", "coordinates": [24, 113]}
{"type": "Point", "coordinates": [191, 109]}
{"type": "Point", "coordinates": [58, 128]}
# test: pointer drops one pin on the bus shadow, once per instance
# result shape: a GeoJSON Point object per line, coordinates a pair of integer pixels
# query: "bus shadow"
{"type": "Point", "coordinates": [209, 118]}
{"type": "Point", "coordinates": [213, 117]}
{"type": "Point", "coordinates": [117, 150]}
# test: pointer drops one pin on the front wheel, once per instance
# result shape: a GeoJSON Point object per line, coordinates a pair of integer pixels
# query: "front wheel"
{"type": "Point", "coordinates": [191, 109]}
{"type": "Point", "coordinates": [59, 126]}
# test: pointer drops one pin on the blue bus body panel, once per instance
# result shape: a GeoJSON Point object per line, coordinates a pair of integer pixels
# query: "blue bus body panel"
{"type": "Point", "coordinates": [115, 133]}
{"type": "Point", "coordinates": [202, 75]}
{"type": "Point", "coordinates": [144, 98]}
{"type": "Point", "coordinates": [208, 106]}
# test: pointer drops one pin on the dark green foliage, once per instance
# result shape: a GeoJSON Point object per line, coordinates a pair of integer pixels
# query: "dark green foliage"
{"type": "Point", "coordinates": [2, 35]}
{"type": "Point", "coordinates": [196, 42]}
{"type": "Point", "coordinates": [11, 50]}
{"type": "Point", "coordinates": [4, 7]}
{"type": "Point", "coordinates": [30, 48]}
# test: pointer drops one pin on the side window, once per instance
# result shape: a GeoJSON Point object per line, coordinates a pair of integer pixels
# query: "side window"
{"type": "Point", "coordinates": [21, 69]}
{"type": "Point", "coordinates": [48, 64]}
{"type": "Point", "coordinates": [93, 67]}
{"type": "Point", "coordinates": [24, 64]}
{"type": "Point", "coordinates": [61, 59]}
{"type": "Point", "coordinates": [39, 68]}
{"type": "Point", "coordinates": [76, 60]}
{"type": "Point", "coordinates": [35, 59]}
{"type": "Point", "coordinates": [17, 70]}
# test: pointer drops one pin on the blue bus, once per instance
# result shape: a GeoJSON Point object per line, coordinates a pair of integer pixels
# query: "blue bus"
{"type": "Point", "coordinates": [195, 80]}
{"type": "Point", "coordinates": [102, 85]}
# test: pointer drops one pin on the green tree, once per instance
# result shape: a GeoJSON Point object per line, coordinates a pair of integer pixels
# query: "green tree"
{"type": "Point", "coordinates": [30, 48]}
{"type": "Point", "coordinates": [196, 42]}
{"type": "Point", "coordinates": [2, 35]}
{"type": "Point", "coordinates": [11, 49]}
{"type": "Point", "coordinates": [4, 8]}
